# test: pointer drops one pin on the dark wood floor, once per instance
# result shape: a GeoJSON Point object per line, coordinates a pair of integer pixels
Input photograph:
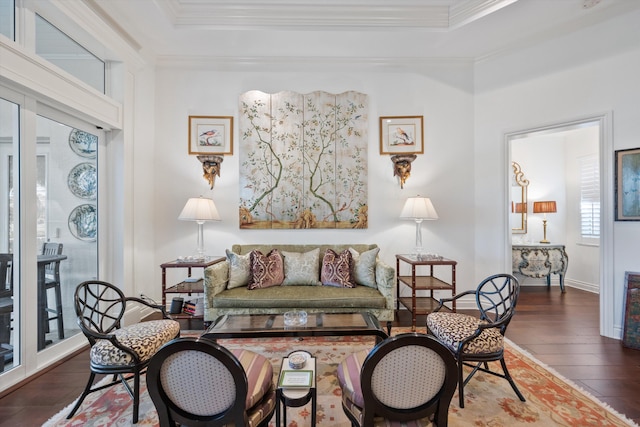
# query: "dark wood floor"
{"type": "Point", "coordinates": [560, 330]}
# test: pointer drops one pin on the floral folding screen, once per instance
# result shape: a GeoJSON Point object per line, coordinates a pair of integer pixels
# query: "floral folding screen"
{"type": "Point", "coordinates": [303, 160]}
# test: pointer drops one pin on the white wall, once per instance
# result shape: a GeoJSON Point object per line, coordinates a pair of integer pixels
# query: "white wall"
{"type": "Point", "coordinates": [543, 163]}
{"type": "Point", "coordinates": [444, 172]}
{"type": "Point", "coordinates": [558, 91]}
{"type": "Point", "coordinates": [585, 262]}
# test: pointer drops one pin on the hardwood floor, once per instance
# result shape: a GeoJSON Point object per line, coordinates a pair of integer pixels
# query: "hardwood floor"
{"type": "Point", "coordinates": [560, 330]}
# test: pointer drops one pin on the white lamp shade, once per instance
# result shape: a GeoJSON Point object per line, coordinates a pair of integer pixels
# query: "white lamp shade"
{"type": "Point", "coordinates": [199, 209]}
{"type": "Point", "coordinates": [418, 208]}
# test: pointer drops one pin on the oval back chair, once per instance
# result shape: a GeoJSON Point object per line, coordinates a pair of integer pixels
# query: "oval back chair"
{"type": "Point", "coordinates": [408, 377]}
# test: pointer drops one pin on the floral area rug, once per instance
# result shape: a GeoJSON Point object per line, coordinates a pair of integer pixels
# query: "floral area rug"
{"type": "Point", "coordinates": [489, 401]}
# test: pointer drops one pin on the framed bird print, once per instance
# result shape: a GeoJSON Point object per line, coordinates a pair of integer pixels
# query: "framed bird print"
{"type": "Point", "coordinates": [211, 135]}
{"type": "Point", "coordinates": [401, 135]}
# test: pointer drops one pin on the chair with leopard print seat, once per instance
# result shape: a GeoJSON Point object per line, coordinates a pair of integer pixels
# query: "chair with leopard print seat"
{"type": "Point", "coordinates": [121, 351]}
{"type": "Point", "coordinates": [406, 380]}
{"type": "Point", "coordinates": [475, 341]}
{"type": "Point", "coordinates": [196, 382]}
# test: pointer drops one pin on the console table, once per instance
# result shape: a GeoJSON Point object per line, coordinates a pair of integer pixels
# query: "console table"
{"type": "Point", "coordinates": [540, 261]}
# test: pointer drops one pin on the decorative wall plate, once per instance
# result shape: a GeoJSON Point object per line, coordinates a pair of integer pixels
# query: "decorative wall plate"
{"type": "Point", "coordinates": [83, 222]}
{"type": "Point", "coordinates": [83, 143]}
{"type": "Point", "coordinates": [83, 181]}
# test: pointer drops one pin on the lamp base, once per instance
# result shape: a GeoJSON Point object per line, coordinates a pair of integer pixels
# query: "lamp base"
{"type": "Point", "coordinates": [544, 241]}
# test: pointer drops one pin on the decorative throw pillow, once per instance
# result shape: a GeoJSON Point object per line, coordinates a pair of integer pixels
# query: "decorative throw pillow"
{"type": "Point", "coordinates": [336, 269]}
{"type": "Point", "coordinates": [239, 269]}
{"type": "Point", "coordinates": [364, 267]}
{"type": "Point", "coordinates": [266, 270]}
{"type": "Point", "coordinates": [301, 268]}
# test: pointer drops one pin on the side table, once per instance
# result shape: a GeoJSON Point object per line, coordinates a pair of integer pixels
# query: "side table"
{"type": "Point", "coordinates": [296, 389]}
{"type": "Point", "coordinates": [187, 286]}
{"type": "Point", "coordinates": [423, 305]}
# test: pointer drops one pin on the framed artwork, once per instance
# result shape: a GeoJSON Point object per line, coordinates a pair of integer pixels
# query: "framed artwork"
{"type": "Point", "coordinates": [303, 160]}
{"type": "Point", "coordinates": [628, 185]}
{"type": "Point", "coordinates": [401, 135]}
{"type": "Point", "coordinates": [211, 135]}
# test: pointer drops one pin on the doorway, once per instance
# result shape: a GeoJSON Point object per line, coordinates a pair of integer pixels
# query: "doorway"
{"type": "Point", "coordinates": [551, 158]}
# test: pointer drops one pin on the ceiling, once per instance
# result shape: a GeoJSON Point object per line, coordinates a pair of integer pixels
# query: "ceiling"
{"type": "Point", "coordinates": [443, 29]}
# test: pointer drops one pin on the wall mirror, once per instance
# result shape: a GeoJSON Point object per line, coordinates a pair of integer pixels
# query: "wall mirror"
{"type": "Point", "coordinates": [518, 210]}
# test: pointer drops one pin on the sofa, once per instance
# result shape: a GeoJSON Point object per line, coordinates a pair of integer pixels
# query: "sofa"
{"type": "Point", "coordinates": [228, 288]}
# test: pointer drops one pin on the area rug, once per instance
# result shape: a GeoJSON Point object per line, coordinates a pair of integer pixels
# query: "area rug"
{"type": "Point", "coordinates": [489, 401]}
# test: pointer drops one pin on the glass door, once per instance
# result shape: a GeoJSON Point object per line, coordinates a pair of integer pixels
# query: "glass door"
{"type": "Point", "coordinates": [67, 223]}
{"type": "Point", "coordinates": [9, 283]}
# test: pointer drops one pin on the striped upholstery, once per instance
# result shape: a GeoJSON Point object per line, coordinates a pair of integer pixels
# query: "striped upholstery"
{"type": "Point", "coordinates": [349, 377]}
{"type": "Point", "coordinates": [259, 375]}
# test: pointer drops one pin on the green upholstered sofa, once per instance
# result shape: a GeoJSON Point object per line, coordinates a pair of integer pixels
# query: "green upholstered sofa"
{"type": "Point", "coordinates": [377, 297]}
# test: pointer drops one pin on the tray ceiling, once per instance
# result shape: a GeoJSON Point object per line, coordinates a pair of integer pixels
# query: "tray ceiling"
{"type": "Point", "coordinates": [451, 29]}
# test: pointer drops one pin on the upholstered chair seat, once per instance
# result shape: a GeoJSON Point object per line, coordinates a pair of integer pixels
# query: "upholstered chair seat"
{"type": "Point", "coordinates": [452, 328]}
{"type": "Point", "coordinates": [144, 339]}
{"type": "Point", "coordinates": [405, 381]}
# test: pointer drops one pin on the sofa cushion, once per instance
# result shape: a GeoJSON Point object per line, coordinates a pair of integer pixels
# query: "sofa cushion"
{"type": "Point", "coordinates": [301, 268]}
{"type": "Point", "coordinates": [301, 248]}
{"type": "Point", "coordinates": [364, 267]}
{"type": "Point", "coordinates": [311, 297]}
{"type": "Point", "coordinates": [336, 269]}
{"type": "Point", "coordinates": [266, 270]}
{"type": "Point", "coordinates": [239, 269]}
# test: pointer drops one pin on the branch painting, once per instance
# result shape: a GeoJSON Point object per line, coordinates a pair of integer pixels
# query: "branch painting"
{"type": "Point", "coordinates": [303, 160]}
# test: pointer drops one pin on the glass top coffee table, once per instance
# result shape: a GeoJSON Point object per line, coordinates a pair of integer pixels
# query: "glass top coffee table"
{"type": "Point", "coordinates": [272, 325]}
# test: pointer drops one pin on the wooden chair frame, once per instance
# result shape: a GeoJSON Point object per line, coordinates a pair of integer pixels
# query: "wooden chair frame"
{"type": "Point", "coordinates": [169, 413]}
{"type": "Point", "coordinates": [100, 307]}
{"type": "Point", "coordinates": [496, 298]}
{"type": "Point", "coordinates": [437, 406]}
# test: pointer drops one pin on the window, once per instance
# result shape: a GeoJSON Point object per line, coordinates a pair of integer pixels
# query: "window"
{"type": "Point", "coordinates": [589, 198]}
{"type": "Point", "coordinates": [59, 49]}
{"type": "Point", "coordinates": [8, 18]}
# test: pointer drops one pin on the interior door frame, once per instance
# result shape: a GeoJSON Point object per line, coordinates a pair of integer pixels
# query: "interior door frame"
{"type": "Point", "coordinates": [607, 282]}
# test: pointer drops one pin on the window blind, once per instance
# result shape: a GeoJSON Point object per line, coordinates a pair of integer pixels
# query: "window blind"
{"type": "Point", "coordinates": [589, 197]}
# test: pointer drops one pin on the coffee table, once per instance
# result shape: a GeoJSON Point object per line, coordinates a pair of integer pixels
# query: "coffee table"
{"type": "Point", "coordinates": [272, 325]}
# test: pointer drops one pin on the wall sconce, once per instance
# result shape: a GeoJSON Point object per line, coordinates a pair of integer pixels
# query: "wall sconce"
{"type": "Point", "coordinates": [210, 168]}
{"type": "Point", "coordinates": [402, 166]}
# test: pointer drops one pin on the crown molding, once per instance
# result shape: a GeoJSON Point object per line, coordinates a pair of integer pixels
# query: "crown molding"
{"type": "Point", "coordinates": [328, 14]}
{"type": "Point", "coordinates": [290, 63]}
{"type": "Point", "coordinates": [464, 13]}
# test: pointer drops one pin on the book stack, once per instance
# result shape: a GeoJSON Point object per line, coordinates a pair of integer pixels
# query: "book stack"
{"type": "Point", "coordinates": [194, 307]}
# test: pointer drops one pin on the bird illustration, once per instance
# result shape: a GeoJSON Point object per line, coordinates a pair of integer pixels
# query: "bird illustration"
{"type": "Point", "coordinates": [403, 135]}
{"type": "Point", "coordinates": [210, 137]}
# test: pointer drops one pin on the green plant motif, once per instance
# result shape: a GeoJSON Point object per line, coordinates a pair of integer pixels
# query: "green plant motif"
{"type": "Point", "coordinates": [303, 159]}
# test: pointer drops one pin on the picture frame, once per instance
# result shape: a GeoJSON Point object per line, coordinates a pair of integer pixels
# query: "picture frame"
{"type": "Point", "coordinates": [401, 135]}
{"type": "Point", "coordinates": [210, 135]}
{"type": "Point", "coordinates": [627, 185]}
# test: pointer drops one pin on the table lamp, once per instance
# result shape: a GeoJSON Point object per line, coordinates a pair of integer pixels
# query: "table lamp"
{"type": "Point", "coordinates": [418, 209]}
{"type": "Point", "coordinates": [199, 209]}
{"type": "Point", "coordinates": [544, 208]}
